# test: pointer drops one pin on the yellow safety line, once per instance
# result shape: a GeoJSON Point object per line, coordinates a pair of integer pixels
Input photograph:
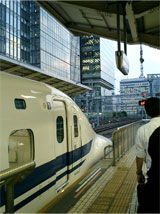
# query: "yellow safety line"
{"type": "Point", "coordinates": [117, 194]}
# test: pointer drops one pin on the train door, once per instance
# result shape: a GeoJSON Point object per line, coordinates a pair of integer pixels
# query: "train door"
{"type": "Point", "coordinates": [60, 144]}
{"type": "Point", "coordinates": [76, 141]}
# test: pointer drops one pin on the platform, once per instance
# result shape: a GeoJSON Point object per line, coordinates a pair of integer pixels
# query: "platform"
{"type": "Point", "coordinates": [112, 191]}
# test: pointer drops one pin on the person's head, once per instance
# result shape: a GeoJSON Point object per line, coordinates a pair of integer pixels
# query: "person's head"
{"type": "Point", "coordinates": [152, 106]}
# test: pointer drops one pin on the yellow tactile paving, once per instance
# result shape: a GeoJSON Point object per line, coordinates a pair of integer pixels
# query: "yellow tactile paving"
{"type": "Point", "coordinates": [116, 196]}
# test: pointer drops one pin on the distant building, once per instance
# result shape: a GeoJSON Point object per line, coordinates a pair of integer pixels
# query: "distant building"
{"type": "Point", "coordinates": [154, 81]}
{"type": "Point", "coordinates": [117, 103]}
{"type": "Point", "coordinates": [134, 90]}
{"type": "Point", "coordinates": [97, 72]}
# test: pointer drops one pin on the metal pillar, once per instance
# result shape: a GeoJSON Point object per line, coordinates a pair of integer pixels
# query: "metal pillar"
{"type": "Point", "coordinates": [118, 32]}
{"type": "Point", "coordinates": [124, 28]}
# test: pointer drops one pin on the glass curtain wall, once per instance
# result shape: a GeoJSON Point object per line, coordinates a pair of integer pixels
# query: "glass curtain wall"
{"type": "Point", "coordinates": [10, 21]}
{"type": "Point", "coordinates": [59, 49]}
{"type": "Point", "coordinates": [107, 61]}
{"type": "Point", "coordinates": [90, 57]}
{"type": "Point", "coordinates": [35, 34]}
{"type": "Point", "coordinates": [18, 34]}
{"type": "Point", "coordinates": [2, 28]}
{"type": "Point", "coordinates": [29, 34]}
{"type": "Point", "coordinates": [24, 31]}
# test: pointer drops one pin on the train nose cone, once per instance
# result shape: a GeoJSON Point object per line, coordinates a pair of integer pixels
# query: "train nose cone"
{"type": "Point", "coordinates": [100, 144]}
{"type": "Point", "coordinates": [103, 141]}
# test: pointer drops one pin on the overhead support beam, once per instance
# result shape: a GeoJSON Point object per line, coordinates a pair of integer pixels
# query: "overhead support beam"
{"type": "Point", "coordinates": [14, 68]}
{"type": "Point", "coordinates": [132, 21]}
{"type": "Point", "coordinates": [47, 80]}
{"type": "Point", "coordinates": [97, 32]}
{"type": "Point", "coordinates": [154, 29]}
{"type": "Point", "coordinates": [104, 18]}
{"type": "Point", "coordinates": [76, 92]}
{"type": "Point", "coordinates": [85, 17]}
{"type": "Point", "coordinates": [69, 90]}
{"type": "Point", "coordinates": [32, 75]}
{"type": "Point", "coordinates": [48, 6]}
{"type": "Point", "coordinates": [150, 11]}
{"type": "Point", "coordinates": [63, 87]}
{"type": "Point", "coordinates": [70, 20]}
{"type": "Point", "coordinates": [57, 84]}
{"type": "Point", "coordinates": [147, 39]}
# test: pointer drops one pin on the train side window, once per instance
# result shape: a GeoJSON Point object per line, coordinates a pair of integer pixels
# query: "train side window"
{"type": "Point", "coordinates": [60, 129]}
{"type": "Point", "coordinates": [75, 120]}
{"type": "Point", "coordinates": [20, 103]}
{"type": "Point", "coordinates": [20, 147]}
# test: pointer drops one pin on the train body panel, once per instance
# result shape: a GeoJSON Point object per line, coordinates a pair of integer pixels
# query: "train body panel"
{"type": "Point", "coordinates": [39, 122]}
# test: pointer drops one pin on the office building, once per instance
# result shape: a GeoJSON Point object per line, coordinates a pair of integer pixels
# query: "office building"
{"type": "Point", "coordinates": [28, 34]}
{"type": "Point", "coordinates": [132, 91]}
{"type": "Point", "coordinates": [154, 82]}
{"type": "Point", "coordinates": [97, 72]}
{"type": "Point", "coordinates": [136, 89]}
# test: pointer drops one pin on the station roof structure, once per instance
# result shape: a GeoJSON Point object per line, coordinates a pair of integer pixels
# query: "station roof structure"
{"type": "Point", "coordinates": [31, 72]}
{"type": "Point", "coordinates": [100, 18]}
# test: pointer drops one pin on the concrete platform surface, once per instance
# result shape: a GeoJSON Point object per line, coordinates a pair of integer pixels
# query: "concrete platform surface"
{"type": "Point", "coordinates": [113, 192]}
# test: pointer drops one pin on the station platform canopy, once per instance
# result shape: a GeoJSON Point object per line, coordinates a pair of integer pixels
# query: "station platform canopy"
{"type": "Point", "coordinates": [100, 18]}
{"type": "Point", "coordinates": [31, 72]}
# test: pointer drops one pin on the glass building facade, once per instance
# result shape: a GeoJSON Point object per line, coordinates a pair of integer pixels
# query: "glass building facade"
{"type": "Point", "coordinates": [107, 63]}
{"type": "Point", "coordinates": [59, 49]}
{"type": "Point", "coordinates": [97, 72]}
{"type": "Point", "coordinates": [15, 30]}
{"type": "Point", "coordinates": [30, 35]}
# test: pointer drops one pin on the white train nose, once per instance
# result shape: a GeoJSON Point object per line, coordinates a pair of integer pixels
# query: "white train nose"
{"type": "Point", "coordinates": [103, 141]}
{"type": "Point", "coordinates": [100, 143]}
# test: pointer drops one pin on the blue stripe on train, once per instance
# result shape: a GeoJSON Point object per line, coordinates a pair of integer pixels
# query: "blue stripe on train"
{"type": "Point", "coordinates": [36, 194]}
{"type": "Point", "coordinates": [46, 171]}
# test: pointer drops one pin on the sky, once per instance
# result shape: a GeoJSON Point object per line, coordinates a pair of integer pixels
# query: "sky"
{"type": "Point", "coordinates": [151, 64]}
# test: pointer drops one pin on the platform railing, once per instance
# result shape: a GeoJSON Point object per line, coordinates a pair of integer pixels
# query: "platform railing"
{"type": "Point", "coordinates": [108, 152]}
{"type": "Point", "coordinates": [11, 176]}
{"type": "Point", "coordinates": [123, 139]}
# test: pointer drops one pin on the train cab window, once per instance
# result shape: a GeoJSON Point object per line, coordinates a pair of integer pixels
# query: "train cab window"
{"type": "Point", "coordinates": [20, 147]}
{"type": "Point", "coordinates": [75, 120]}
{"type": "Point", "coordinates": [60, 129]}
{"type": "Point", "coordinates": [20, 103]}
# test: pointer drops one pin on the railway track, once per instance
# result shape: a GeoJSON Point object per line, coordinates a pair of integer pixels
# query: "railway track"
{"type": "Point", "coordinates": [107, 129]}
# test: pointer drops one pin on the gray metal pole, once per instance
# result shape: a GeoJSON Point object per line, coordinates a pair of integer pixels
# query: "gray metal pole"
{"type": "Point", "coordinates": [118, 35]}
{"type": "Point", "coordinates": [118, 28]}
{"type": "Point", "coordinates": [124, 28]}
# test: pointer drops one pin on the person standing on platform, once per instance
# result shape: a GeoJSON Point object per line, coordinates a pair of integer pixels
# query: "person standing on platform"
{"type": "Point", "coordinates": [147, 149]}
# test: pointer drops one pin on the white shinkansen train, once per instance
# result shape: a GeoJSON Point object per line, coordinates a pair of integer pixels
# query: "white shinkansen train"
{"type": "Point", "coordinates": [40, 123]}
